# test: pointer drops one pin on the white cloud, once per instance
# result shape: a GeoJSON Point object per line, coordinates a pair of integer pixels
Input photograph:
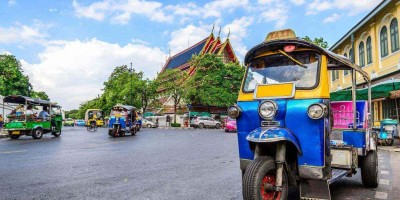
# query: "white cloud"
{"type": "Point", "coordinates": [21, 33]}
{"type": "Point", "coordinates": [12, 2]}
{"type": "Point", "coordinates": [74, 71]}
{"type": "Point", "coordinates": [333, 18]}
{"type": "Point", "coordinates": [298, 2]}
{"type": "Point", "coordinates": [187, 36]}
{"type": "Point", "coordinates": [121, 11]}
{"type": "Point", "coordinates": [238, 31]}
{"type": "Point", "coordinates": [352, 7]}
{"type": "Point", "coordinates": [214, 8]}
{"type": "Point", "coordinates": [277, 13]}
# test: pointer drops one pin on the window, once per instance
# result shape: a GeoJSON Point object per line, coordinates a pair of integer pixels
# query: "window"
{"type": "Point", "coordinates": [335, 75]}
{"type": "Point", "coordinates": [369, 51]}
{"type": "Point", "coordinates": [361, 55]}
{"type": "Point", "coordinates": [351, 55]}
{"type": "Point", "coordinates": [394, 35]}
{"type": "Point", "coordinates": [345, 72]}
{"type": "Point", "coordinates": [384, 42]}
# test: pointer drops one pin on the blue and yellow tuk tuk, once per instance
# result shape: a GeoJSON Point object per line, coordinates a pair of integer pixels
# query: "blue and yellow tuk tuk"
{"type": "Point", "coordinates": [122, 120]}
{"type": "Point", "coordinates": [289, 132]}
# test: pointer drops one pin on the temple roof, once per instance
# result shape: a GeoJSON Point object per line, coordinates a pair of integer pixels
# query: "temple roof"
{"type": "Point", "coordinates": [184, 56]}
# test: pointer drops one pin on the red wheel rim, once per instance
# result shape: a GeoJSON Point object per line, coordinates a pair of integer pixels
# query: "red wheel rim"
{"type": "Point", "coordinates": [270, 179]}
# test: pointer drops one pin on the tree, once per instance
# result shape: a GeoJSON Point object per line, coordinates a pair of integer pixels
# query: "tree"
{"type": "Point", "coordinates": [117, 90]}
{"type": "Point", "coordinates": [170, 82]}
{"type": "Point", "coordinates": [214, 82]}
{"type": "Point", "coordinates": [148, 92]}
{"type": "Point", "coordinates": [40, 95]}
{"type": "Point", "coordinates": [12, 81]}
{"type": "Point", "coordinates": [318, 41]}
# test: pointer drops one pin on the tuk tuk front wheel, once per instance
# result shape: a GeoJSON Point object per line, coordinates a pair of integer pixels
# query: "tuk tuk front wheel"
{"type": "Point", "coordinates": [369, 170]}
{"type": "Point", "coordinates": [37, 133]}
{"type": "Point", "coordinates": [260, 178]}
{"type": "Point", "coordinates": [57, 134]}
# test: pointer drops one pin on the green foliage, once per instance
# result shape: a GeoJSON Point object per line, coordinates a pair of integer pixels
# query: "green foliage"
{"type": "Point", "coordinates": [122, 87]}
{"type": "Point", "coordinates": [12, 81]}
{"type": "Point", "coordinates": [175, 124]}
{"type": "Point", "coordinates": [72, 114]}
{"type": "Point", "coordinates": [214, 82]}
{"type": "Point", "coordinates": [40, 95]}
{"type": "Point", "coordinates": [318, 41]}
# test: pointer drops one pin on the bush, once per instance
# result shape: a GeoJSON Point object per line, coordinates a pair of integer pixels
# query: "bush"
{"type": "Point", "coordinates": [175, 124]}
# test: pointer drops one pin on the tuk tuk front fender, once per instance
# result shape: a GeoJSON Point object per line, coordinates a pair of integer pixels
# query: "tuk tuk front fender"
{"type": "Point", "coordinates": [273, 134]}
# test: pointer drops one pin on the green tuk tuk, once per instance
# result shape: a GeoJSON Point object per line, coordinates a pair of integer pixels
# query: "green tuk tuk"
{"type": "Point", "coordinates": [23, 121]}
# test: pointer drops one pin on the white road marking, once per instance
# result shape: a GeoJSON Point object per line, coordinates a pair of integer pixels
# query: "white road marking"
{"type": "Point", "coordinates": [383, 172]}
{"type": "Point", "coordinates": [7, 152]}
{"type": "Point", "coordinates": [384, 181]}
{"type": "Point", "coordinates": [381, 195]}
{"type": "Point", "coordinates": [383, 166]}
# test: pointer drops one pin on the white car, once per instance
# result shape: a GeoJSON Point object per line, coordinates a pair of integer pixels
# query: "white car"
{"type": "Point", "coordinates": [205, 122]}
{"type": "Point", "coordinates": [147, 123]}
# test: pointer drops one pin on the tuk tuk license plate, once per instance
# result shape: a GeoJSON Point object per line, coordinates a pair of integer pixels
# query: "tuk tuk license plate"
{"type": "Point", "coordinates": [15, 133]}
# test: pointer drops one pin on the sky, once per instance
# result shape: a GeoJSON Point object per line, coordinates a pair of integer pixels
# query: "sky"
{"type": "Point", "coordinates": [68, 48]}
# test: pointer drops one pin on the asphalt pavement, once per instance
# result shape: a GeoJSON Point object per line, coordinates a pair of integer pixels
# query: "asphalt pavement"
{"type": "Point", "coordinates": [155, 164]}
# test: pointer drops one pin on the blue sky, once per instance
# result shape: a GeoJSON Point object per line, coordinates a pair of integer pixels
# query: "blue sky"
{"type": "Point", "coordinates": [69, 47]}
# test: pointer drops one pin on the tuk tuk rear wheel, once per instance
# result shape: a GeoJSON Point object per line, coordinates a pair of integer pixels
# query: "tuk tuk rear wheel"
{"type": "Point", "coordinates": [369, 170]}
{"type": "Point", "coordinates": [259, 180]}
{"type": "Point", "coordinates": [389, 142]}
{"type": "Point", "coordinates": [37, 133]}
{"type": "Point", "coordinates": [14, 137]}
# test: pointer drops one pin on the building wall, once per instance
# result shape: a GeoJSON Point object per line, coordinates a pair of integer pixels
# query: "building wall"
{"type": "Point", "coordinates": [380, 66]}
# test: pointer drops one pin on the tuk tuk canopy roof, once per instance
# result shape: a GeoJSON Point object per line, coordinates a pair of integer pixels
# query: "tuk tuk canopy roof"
{"type": "Point", "coordinates": [127, 107]}
{"type": "Point", "coordinates": [335, 61]}
{"type": "Point", "coordinates": [19, 99]}
{"type": "Point", "coordinates": [379, 90]}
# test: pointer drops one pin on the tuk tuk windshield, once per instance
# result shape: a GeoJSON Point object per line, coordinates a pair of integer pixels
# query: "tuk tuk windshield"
{"type": "Point", "coordinates": [279, 68]}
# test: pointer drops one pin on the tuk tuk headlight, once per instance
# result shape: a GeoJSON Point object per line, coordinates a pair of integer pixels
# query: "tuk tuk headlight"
{"type": "Point", "coordinates": [234, 111]}
{"type": "Point", "coordinates": [317, 111]}
{"type": "Point", "coordinates": [267, 109]}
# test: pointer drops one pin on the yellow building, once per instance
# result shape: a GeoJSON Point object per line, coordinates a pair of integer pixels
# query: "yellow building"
{"type": "Point", "coordinates": [373, 44]}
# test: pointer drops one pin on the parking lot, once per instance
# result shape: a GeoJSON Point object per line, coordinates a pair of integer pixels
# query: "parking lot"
{"type": "Point", "coordinates": [155, 164]}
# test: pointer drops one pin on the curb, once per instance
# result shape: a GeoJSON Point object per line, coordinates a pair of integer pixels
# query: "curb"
{"type": "Point", "coordinates": [181, 128]}
{"type": "Point", "coordinates": [391, 149]}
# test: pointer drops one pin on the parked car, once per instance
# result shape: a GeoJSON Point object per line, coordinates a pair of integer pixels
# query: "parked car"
{"type": "Point", "coordinates": [69, 122]}
{"type": "Point", "coordinates": [147, 123]}
{"type": "Point", "coordinates": [79, 122]}
{"type": "Point", "coordinates": [205, 122]}
{"type": "Point", "coordinates": [230, 125]}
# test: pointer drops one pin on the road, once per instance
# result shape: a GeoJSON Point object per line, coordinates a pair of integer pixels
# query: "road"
{"type": "Point", "coordinates": [155, 164]}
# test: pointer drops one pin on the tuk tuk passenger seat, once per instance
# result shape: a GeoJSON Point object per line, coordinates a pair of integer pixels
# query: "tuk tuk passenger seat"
{"type": "Point", "coordinates": [342, 114]}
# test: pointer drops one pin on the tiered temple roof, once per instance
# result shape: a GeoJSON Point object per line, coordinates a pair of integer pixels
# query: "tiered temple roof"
{"type": "Point", "coordinates": [209, 44]}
